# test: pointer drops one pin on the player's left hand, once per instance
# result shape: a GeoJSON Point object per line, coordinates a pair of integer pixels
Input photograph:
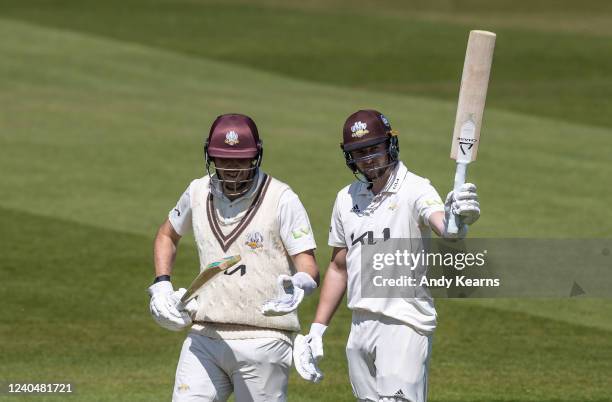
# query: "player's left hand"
{"type": "Point", "coordinates": [307, 351]}
{"type": "Point", "coordinates": [288, 299]}
{"type": "Point", "coordinates": [464, 205]}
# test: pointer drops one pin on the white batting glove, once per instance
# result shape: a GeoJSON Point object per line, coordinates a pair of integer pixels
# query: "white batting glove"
{"type": "Point", "coordinates": [307, 351]}
{"type": "Point", "coordinates": [291, 291]}
{"type": "Point", "coordinates": [163, 306]}
{"type": "Point", "coordinates": [464, 205]}
{"type": "Point", "coordinates": [192, 305]}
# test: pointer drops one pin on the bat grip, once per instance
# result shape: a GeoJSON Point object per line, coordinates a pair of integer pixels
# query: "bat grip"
{"type": "Point", "coordinates": [182, 302]}
{"type": "Point", "coordinates": [453, 221]}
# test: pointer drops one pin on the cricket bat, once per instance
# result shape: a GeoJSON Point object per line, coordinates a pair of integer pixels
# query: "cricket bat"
{"type": "Point", "coordinates": [470, 107]}
{"type": "Point", "coordinates": [206, 275]}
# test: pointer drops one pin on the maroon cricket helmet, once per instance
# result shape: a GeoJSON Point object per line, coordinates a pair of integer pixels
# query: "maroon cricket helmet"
{"type": "Point", "coordinates": [365, 128]}
{"type": "Point", "coordinates": [233, 135]}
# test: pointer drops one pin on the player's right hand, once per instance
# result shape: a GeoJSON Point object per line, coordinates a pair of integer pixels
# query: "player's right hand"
{"type": "Point", "coordinates": [307, 351]}
{"type": "Point", "coordinates": [192, 305]}
{"type": "Point", "coordinates": [163, 307]}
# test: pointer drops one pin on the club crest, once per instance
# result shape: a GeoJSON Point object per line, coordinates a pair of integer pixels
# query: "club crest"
{"type": "Point", "coordinates": [254, 240]}
{"type": "Point", "coordinates": [231, 138]}
{"type": "Point", "coordinates": [359, 129]}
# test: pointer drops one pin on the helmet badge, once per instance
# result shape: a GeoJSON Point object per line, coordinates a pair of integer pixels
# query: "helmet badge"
{"type": "Point", "coordinates": [231, 138]}
{"type": "Point", "coordinates": [359, 129]}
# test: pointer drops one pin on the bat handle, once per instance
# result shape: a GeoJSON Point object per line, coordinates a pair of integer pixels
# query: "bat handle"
{"type": "Point", "coordinates": [182, 302]}
{"type": "Point", "coordinates": [453, 222]}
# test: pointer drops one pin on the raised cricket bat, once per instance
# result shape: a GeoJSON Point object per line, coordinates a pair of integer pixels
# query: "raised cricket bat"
{"type": "Point", "coordinates": [472, 95]}
{"type": "Point", "coordinates": [206, 275]}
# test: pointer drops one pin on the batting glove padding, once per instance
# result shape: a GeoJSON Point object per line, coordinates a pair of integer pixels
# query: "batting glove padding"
{"type": "Point", "coordinates": [307, 351]}
{"type": "Point", "coordinates": [463, 204]}
{"type": "Point", "coordinates": [291, 291]}
{"type": "Point", "coordinates": [163, 306]}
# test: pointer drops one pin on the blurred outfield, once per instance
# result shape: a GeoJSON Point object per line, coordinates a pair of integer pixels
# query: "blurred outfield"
{"type": "Point", "coordinates": [103, 109]}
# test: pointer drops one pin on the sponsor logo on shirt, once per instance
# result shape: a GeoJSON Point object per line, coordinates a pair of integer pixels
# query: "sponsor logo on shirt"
{"type": "Point", "coordinates": [300, 232]}
{"type": "Point", "coordinates": [432, 203]}
{"type": "Point", "coordinates": [368, 237]}
{"type": "Point", "coordinates": [241, 268]}
{"type": "Point", "coordinates": [395, 184]}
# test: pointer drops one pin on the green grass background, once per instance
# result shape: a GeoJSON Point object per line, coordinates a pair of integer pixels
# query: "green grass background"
{"type": "Point", "coordinates": [103, 110]}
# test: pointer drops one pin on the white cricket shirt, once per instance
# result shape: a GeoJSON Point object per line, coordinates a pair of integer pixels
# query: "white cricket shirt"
{"type": "Point", "coordinates": [401, 210]}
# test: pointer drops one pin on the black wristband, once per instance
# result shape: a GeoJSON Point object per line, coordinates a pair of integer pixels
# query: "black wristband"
{"type": "Point", "coordinates": [162, 278]}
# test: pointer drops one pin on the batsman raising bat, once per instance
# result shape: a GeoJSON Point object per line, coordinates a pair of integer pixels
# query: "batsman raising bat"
{"type": "Point", "coordinates": [389, 345]}
{"type": "Point", "coordinates": [256, 251]}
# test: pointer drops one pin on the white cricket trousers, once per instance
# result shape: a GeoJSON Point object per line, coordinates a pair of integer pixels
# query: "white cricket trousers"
{"type": "Point", "coordinates": [211, 369]}
{"type": "Point", "coordinates": [387, 359]}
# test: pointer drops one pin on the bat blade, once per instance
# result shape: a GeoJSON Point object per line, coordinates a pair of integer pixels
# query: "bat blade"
{"type": "Point", "coordinates": [472, 96]}
{"type": "Point", "coordinates": [470, 107]}
{"type": "Point", "coordinates": [207, 274]}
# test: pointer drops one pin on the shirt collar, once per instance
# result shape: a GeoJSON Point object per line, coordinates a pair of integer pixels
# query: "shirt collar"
{"type": "Point", "coordinates": [393, 183]}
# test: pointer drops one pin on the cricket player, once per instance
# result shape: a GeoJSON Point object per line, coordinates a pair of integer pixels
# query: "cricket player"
{"type": "Point", "coordinates": [390, 340]}
{"type": "Point", "coordinates": [242, 323]}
